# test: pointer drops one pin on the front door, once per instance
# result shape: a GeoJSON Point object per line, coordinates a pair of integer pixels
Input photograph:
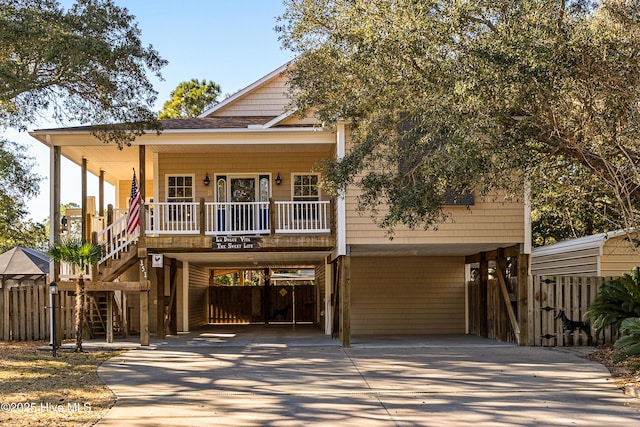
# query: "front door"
{"type": "Point", "coordinates": [247, 209]}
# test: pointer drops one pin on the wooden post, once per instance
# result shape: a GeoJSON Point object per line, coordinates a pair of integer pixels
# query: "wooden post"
{"type": "Point", "coordinates": [101, 194]}
{"type": "Point", "coordinates": [523, 300]}
{"type": "Point", "coordinates": [54, 232]}
{"type": "Point", "coordinates": [141, 187]}
{"type": "Point", "coordinates": [5, 310]}
{"type": "Point", "coordinates": [83, 203]}
{"type": "Point", "coordinates": [201, 217]}
{"type": "Point", "coordinates": [345, 301]}
{"type": "Point", "coordinates": [272, 216]}
{"type": "Point", "coordinates": [160, 333]}
{"type": "Point", "coordinates": [109, 316]}
{"type": "Point", "coordinates": [483, 321]}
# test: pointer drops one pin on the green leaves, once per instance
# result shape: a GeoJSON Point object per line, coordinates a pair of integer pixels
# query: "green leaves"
{"type": "Point", "coordinates": [76, 252]}
{"type": "Point", "coordinates": [86, 64]}
{"type": "Point", "coordinates": [617, 300]}
{"type": "Point", "coordinates": [190, 99]}
{"type": "Point", "coordinates": [506, 83]}
{"type": "Point", "coordinates": [628, 344]}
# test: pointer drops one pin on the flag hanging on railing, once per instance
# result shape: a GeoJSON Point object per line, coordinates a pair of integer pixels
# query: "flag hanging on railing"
{"type": "Point", "coordinates": [133, 217]}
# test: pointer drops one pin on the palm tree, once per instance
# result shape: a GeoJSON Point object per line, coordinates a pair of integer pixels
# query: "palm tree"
{"type": "Point", "coordinates": [80, 255]}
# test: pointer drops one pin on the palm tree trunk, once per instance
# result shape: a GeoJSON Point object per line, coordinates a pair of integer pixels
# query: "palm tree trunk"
{"type": "Point", "coordinates": [79, 320]}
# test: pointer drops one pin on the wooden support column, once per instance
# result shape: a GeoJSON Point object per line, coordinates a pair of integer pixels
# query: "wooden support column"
{"type": "Point", "coordinates": [83, 203]}
{"type": "Point", "coordinates": [141, 187]}
{"type": "Point", "coordinates": [101, 194]}
{"type": "Point", "coordinates": [160, 332]}
{"type": "Point", "coordinates": [345, 301]}
{"type": "Point", "coordinates": [54, 230]}
{"type": "Point", "coordinates": [483, 312]}
{"type": "Point", "coordinates": [524, 311]}
{"type": "Point", "coordinates": [109, 316]}
{"type": "Point", "coordinates": [5, 310]}
{"type": "Point", "coordinates": [201, 217]}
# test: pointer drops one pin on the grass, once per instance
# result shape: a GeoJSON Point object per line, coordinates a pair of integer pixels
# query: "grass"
{"type": "Point", "coordinates": [37, 389]}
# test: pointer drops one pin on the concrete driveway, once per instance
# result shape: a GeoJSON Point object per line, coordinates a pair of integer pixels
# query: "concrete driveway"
{"type": "Point", "coordinates": [277, 377]}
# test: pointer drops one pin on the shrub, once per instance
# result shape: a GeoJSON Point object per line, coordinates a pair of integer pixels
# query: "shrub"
{"type": "Point", "coordinates": [629, 344]}
{"type": "Point", "coordinates": [617, 300]}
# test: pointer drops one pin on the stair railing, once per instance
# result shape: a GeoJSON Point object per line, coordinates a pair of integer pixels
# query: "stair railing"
{"type": "Point", "coordinates": [115, 240]}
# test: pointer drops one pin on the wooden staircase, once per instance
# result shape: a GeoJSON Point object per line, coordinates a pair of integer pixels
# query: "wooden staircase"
{"type": "Point", "coordinates": [97, 312]}
{"type": "Point", "coordinates": [109, 270]}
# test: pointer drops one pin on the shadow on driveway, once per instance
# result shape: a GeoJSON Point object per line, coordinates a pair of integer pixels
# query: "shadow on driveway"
{"type": "Point", "coordinates": [232, 376]}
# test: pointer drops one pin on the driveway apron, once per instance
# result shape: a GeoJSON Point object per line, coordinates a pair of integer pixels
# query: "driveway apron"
{"type": "Point", "coordinates": [207, 380]}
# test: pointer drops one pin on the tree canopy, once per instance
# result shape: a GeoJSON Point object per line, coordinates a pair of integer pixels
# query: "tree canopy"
{"type": "Point", "coordinates": [17, 184]}
{"type": "Point", "coordinates": [86, 64]}
{"type": "Point", "coordinates": [190, 99]}
{"type": "Point", "coordinates": [472, 96]}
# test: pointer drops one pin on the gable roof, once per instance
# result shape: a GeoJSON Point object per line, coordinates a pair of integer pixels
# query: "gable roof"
{"type": "Point", "coordinates": [246, 90]}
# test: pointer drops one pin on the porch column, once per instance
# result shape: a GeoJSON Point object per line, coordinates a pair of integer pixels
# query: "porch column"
{"type": "Point", "coordinates": [109, 316]}
{"type": "Point", "coordinates": [54, 228]}
{"type": "Point", "coordinates": [83, 203]}
{"type": "Point", "coordinates": [144, 297]}
{"type": "Point", "coordinates": [524, 310]}
{"type": "Point", "coordinates": [345, 301]}
{"type": "Point", "coordinates": [160, 333]}
{"type": "Point", "coordinates": [141, 187]}
{"type": "Point", "coordinates": [101, 194]}
{"type": "Point", "coordinates": [482, 296]}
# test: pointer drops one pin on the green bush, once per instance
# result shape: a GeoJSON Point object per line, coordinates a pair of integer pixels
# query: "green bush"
{"type": "Point", "coordinates": [628, 344]}
{"type": "Point", "coordinates": [617, 300]}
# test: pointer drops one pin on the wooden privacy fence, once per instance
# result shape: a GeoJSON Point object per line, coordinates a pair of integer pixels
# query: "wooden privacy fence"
{"type": "Point", "coordinates": [573, 295]}
{"type": "Point", "coordinates": [498, 325]}
{"type": "Point", "coordinates": [24, 311]}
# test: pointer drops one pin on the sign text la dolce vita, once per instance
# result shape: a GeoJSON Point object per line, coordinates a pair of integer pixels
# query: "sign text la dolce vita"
{"type": "Point", "coordinates": [235, 242]}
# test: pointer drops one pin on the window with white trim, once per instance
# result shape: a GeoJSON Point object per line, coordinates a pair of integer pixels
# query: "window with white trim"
{"type": "Point", "coordinates": [306, 187]}
{"type": "Point", "coordinates": [180, 190]}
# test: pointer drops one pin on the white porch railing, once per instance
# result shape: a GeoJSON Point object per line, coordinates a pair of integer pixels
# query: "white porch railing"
{"type": "Point", "coordinates": [302, 217]}
{"type": "Point", "coordinates": [172, 218]}
{"type": "Point", "coordinates": [115, 239]}
{"type": "Point", "coordinates": [237, 218]}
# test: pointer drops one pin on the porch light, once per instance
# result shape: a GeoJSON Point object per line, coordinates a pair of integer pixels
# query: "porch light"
{"type": "Point", "coordinates": [207, 180]}
{"type": "Point", "coordinates": [278, 179]}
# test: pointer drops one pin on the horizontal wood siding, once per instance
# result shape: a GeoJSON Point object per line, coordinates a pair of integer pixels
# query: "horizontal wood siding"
{"type": "Point", "coordinates": [413, 295]}
{"type": "Point", "coordinates": [321, 294]}
{"type": "Point", "coordinates": [485, 222]}
{"type": "Point", "coordinates": [198, 296]}
{"type": "Point", "coordinates": [237, 163]}
{"type": "Point", "coordinates": [270, 99]}
{"type": "Point", "coordinates": [619, 256]}
{"type": "Point", "coordinates": [124, 192]}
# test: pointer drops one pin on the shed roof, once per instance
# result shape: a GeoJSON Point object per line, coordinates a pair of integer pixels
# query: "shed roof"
{"type": "Point", "coordinates": [595, 241]}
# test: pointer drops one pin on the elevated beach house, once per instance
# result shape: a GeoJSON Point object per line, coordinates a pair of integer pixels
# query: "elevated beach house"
{"type": "Point", "coordinates": [234, 193]}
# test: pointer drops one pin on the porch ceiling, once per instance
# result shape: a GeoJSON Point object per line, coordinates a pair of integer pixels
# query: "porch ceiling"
{"type": "Point", "coordinates": [252, 259]}
{"type": "Point", "coordinates": [454, 249]}
{"type": "Point", "coordinates": [117, 163]}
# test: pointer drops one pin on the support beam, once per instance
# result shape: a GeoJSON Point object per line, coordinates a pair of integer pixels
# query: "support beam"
{"type": "Point", "coordinates": [54, 226]}
{"type": "Point", "coordinates": [345, 301]}
{"type": "Point", "coordinates": [483, 313]}
{"type": "Point", "coordinates": [109, 317]}
{"type": "Point", "coordinates": [160, 332]}
{"type": "Point", "coordinates": [83, 203]}
{"type": "Point", "coordinates": [524, 311]}
{"type": "Point", "coordinates": [142, 189]}
{"type": "Point", "coordinates": [101, 194]}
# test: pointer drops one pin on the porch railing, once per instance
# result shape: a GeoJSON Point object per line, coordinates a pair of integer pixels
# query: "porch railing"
{"type": "Point", "coordinates": [237, 218]}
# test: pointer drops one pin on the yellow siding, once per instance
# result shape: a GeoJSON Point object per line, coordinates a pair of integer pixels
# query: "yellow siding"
{"type": "Point", "coordinates": [320, 294]}
{"type": "Point", "coordinates": [124, 192]}
{"type": "Point", "coordinates": [618, 257]}
{"type": "Point", "coordinates": [413, 295]}
{"type": "Point", "coordinates": [235, 163]}
{"type": "Point", "coordinates": [270, 99]}
{"type": "Point", "coordinates": [485, 222]}
{"type": "Point", "coordinates": [198, 296]}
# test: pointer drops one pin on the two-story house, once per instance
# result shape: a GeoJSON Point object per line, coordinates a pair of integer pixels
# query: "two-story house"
{"type": "Point", "coordinates": [235, 191]}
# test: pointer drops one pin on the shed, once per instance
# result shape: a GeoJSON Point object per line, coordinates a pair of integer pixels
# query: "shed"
{"type": "Point", "coordinates": [599, 255]}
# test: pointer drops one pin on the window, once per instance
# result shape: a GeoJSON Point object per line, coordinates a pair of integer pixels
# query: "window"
{"type": "Point", "coordinates": [179, 190]}
{"type": "Point", "coordinates": [305, 187]}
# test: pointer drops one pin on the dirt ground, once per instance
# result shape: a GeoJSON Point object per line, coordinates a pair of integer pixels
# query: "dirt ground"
{"type": "Point", "coordinates": [37, 389]}
{"type": "Point", "coordinates": [623, 373]}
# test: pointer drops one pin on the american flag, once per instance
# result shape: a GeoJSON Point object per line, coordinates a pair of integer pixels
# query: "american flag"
{"type": "Point", "coordinates": [133, 217]}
